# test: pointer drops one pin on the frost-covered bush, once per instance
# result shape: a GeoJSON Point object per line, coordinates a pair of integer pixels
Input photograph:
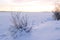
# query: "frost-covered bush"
{"type": "Point", "coordinates": [19, 24]}
{"type": "Point", "coordinates": [57, 11]}
{"type": "Point", "coordinates": [57, 15]}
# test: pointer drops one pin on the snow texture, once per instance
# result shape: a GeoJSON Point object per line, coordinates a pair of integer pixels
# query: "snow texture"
{"type": "Point", "coordinates": [44, 27]}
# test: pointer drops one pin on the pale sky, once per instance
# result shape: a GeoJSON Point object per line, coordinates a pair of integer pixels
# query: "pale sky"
{"type": "Point", "coordinates": [27, 5]}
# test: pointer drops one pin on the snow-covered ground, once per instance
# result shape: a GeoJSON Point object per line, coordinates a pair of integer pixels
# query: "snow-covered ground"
{"type": "Point", "coordinates": [44, 27]}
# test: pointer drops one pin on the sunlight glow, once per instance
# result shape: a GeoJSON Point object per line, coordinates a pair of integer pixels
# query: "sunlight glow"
{"type": "Point", "coordinates": [34, 6]}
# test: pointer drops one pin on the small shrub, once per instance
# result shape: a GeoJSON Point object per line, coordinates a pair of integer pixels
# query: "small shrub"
{"type": "Point", "coordinates": [57, 15]}
{"type": "Point", "coordinates": [19, 24]}
{"type": "Point", "coordinates": [57, 11]}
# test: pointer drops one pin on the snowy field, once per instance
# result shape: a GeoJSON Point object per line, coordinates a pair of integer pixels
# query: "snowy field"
{"type": "Point", "coordinates": [44, 27]}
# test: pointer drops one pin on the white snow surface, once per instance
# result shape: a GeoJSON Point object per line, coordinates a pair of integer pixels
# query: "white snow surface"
{"type": "Point", "coordinates": [44, 27]}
